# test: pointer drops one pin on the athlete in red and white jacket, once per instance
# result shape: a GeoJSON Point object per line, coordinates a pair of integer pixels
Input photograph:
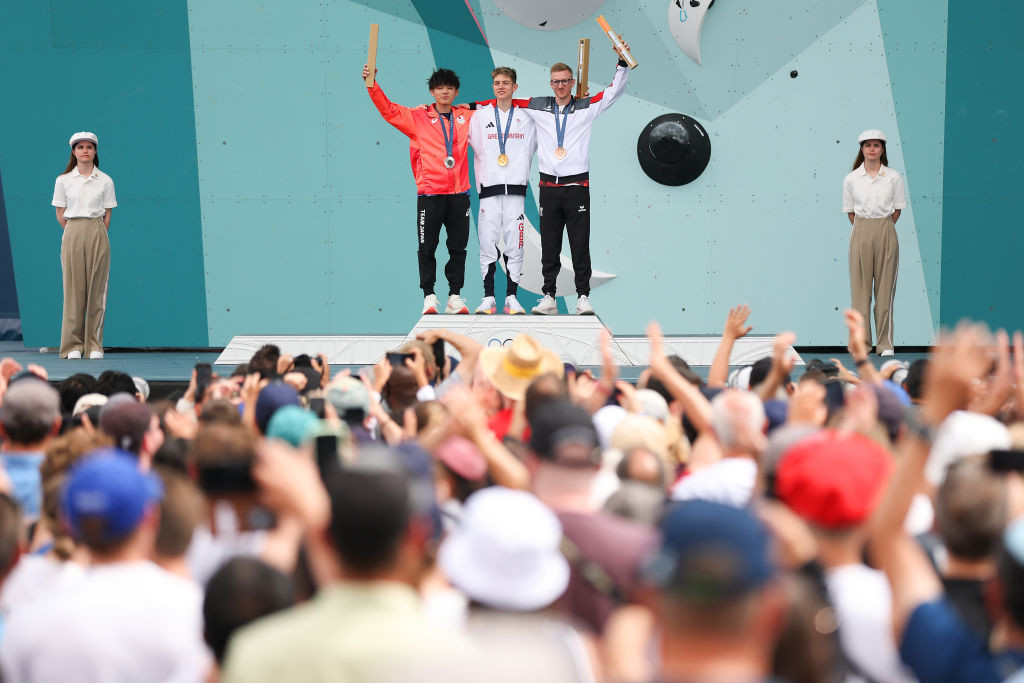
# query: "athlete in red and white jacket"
{"type": "Point", "coordinates": [503, 139]}
{"type": "Point", "coordinates": [437, 151]}
{"type": "Point", "coordinates": [563, 153]}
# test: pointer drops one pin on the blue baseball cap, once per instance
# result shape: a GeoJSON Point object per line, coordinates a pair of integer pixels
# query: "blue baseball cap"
{"type": "Point", "coordinates": [273, 396]}
{"type": "Point", "coordinates": [710, 553]}
{"type": "Point", "coordinates": [107, 490]}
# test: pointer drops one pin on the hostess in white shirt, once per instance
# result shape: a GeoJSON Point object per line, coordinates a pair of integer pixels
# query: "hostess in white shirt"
{"type": "Point", "coordinates": [876, 197]}
{"type": "Point", "coordinates": [84, 197]}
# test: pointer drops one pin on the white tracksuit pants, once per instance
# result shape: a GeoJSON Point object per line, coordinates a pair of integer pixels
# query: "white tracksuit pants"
{"type": "Point", "coordinates": [502, 220]}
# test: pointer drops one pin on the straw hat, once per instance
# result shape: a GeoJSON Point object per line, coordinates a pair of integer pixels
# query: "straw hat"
{"type": "Point", "coordinates": [511, 368]}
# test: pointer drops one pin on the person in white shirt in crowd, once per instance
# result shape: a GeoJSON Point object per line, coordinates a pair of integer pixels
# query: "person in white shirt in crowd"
{"type": "Point", "coordinates": [84, 198]}
{"type": "Point", "coordinates": [739, 422]}
{"type": "Point", "coordinates": [128, 620]}
{"type": "Point", "coordinates": [873, 198]}
{"type": "Point", "coordinates": [503, 138]}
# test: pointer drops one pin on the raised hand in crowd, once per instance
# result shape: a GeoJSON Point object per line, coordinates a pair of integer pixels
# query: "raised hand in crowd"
{"type": "Point", "coordinates": [735, 328]}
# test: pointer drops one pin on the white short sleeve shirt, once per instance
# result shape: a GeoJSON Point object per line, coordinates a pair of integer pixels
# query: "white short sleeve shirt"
{"type": "Point", "coordinates": [84, 197]}
{"type": "Point", "coordinates": [876, 197]}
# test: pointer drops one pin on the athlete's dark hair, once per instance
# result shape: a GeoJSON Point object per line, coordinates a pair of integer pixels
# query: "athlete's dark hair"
{"type": "Point", "coordinates": [443, 77]}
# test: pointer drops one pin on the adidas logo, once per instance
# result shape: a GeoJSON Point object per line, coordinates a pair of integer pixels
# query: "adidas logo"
{"type": "Point", "coordinates": [521, 217]}
{"type": "Point", "coordinates": [489, 125]}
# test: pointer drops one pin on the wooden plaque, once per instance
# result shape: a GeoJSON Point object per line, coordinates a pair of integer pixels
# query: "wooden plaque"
{"type": "Point", "coordinates": [371, 54]}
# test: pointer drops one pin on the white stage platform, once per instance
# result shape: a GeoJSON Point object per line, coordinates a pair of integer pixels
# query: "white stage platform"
{"type": "Point", "coordinates": [575, 338]}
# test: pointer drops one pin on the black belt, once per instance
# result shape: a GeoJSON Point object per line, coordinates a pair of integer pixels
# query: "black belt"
{"type": "Point", "coordinates": [495, 190]}
{"type": "Point", "coordinates": [564, 180]}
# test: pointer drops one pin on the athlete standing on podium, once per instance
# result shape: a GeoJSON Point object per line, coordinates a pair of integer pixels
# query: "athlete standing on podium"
{"type": "Point", "coordinates": [503, 140]}
{"type": "Point", "coordinates": [563, 150]}
{"type": "Point", "coordinates": [437, 150]}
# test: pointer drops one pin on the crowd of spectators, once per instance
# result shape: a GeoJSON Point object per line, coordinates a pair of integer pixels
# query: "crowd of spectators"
{"type": "Point", "coordinates": [497, 514]}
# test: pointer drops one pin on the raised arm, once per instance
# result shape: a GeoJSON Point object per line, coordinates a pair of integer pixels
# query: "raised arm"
{"type": "Point", "coordinates": [467, 347]}
{"type": "Point", "coordinates": [606, 98]}
{"type": "Point", "coordinates": [695, 405]}
{"type": "Point", "coordinates": [735, 328]}
{"type": "Point", "coordinates": [398, 116]}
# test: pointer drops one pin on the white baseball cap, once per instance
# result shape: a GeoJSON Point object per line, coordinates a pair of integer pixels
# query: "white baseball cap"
{"type": "Point", "coordinates": [84, 135]}
{"type": "Point", "coordinates": [871, 134]}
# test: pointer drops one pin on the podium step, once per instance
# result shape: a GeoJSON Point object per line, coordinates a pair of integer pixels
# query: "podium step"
{"type": "Point", "coordinates": [574, 338]}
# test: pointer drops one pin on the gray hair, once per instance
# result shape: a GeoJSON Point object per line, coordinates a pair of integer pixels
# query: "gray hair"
{"type": "Point", "coordinates": [735, 415]}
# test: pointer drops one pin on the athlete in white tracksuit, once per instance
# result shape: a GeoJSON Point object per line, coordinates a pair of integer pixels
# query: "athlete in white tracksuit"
{"type": "Point", "coordinates": [504, 140]}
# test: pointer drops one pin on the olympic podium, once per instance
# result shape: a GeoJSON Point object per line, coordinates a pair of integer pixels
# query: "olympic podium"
{"type": "Point", "coordinates": [575, 338]}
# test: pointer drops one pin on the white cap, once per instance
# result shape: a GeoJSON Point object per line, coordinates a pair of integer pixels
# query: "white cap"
{"type": "Point", "coordinates": [84, 135]}
{"type": "Point", "coordinates": [505, 552]}
{"type": "Point", "coordinates": [962, 435]}
{"type": "Point", "coordinates": [871, 134]}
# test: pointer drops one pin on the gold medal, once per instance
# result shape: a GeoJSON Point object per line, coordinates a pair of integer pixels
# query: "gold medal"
{"type": "Point", "coordinates": [560, 152]}
{"type": "Point", "coordinates": [502, 160]}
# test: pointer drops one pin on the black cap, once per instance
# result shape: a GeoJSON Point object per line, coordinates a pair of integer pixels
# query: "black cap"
{"type": "Point", "coordinates": [561, 425]}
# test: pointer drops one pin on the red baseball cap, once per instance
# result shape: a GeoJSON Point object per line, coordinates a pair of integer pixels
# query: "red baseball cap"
{"type": "Point", "coordinates": [833, 478]}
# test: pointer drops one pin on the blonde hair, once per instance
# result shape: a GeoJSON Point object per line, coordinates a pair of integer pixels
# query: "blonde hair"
{"type": "Point", "coordinates": [504, 71]}
{"type": "Point", "coordinates": [561, 67]}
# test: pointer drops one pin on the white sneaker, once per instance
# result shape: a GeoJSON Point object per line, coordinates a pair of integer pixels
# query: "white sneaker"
{"type": "Point", "coordinates": [546, 306]}
{"type": "Point", "coordinates": [430, 304]}
{"type": "Point", "coordinates": [456, 306]}
{"type": "Point", "coordinates": [95, 355]}
{"type": "Point", "coordinates": [583, 306]}
{"type": "Point", "coordinates": [512, 305]}
{"type": "Point", "coordinates": [887, 353]}
{"type": "Point", "coordinates": [487, 306]}
{"type": "Point", "coordinates": [73, 355]}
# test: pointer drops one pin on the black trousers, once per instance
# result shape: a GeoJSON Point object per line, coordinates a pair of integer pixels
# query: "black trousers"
{"type": "Point", "coordinates": [565, 207]}
{"type": "Point", "coordinates": [451, 210]}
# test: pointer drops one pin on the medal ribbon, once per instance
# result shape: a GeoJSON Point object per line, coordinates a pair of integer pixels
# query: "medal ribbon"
{"type": "Point", "coordinates": [497, 127]}
{"type": "Point", "coordinates": [560, 132]}
{"type": "Point", "coordinates": [449, 141]}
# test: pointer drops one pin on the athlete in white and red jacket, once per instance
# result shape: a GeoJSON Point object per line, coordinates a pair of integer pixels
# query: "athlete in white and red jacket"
{"type": "Point", "coordinates": [563, 153]}
{"type": "Point", "coordinates": [437, 150]}
{"type": "Point", "coordinates": [503, 139]}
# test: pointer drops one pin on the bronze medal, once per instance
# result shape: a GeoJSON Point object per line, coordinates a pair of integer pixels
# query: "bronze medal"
{"type": "Point", "coordinates": [560, 152]}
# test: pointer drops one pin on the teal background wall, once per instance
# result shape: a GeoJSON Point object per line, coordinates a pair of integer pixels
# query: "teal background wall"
{"type": "Point", "coordinates": [982, 238]}
{"type": "Point", "coordinates": [261, 192]}
{"type": "Point", "coordinates": [120, 69]}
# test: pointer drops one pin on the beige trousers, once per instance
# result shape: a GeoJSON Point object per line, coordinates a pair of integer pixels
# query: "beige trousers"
{"type": "Point", "coordinates": [85, 260]}
{"type": "Point", "coordinates": [874, 266]}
